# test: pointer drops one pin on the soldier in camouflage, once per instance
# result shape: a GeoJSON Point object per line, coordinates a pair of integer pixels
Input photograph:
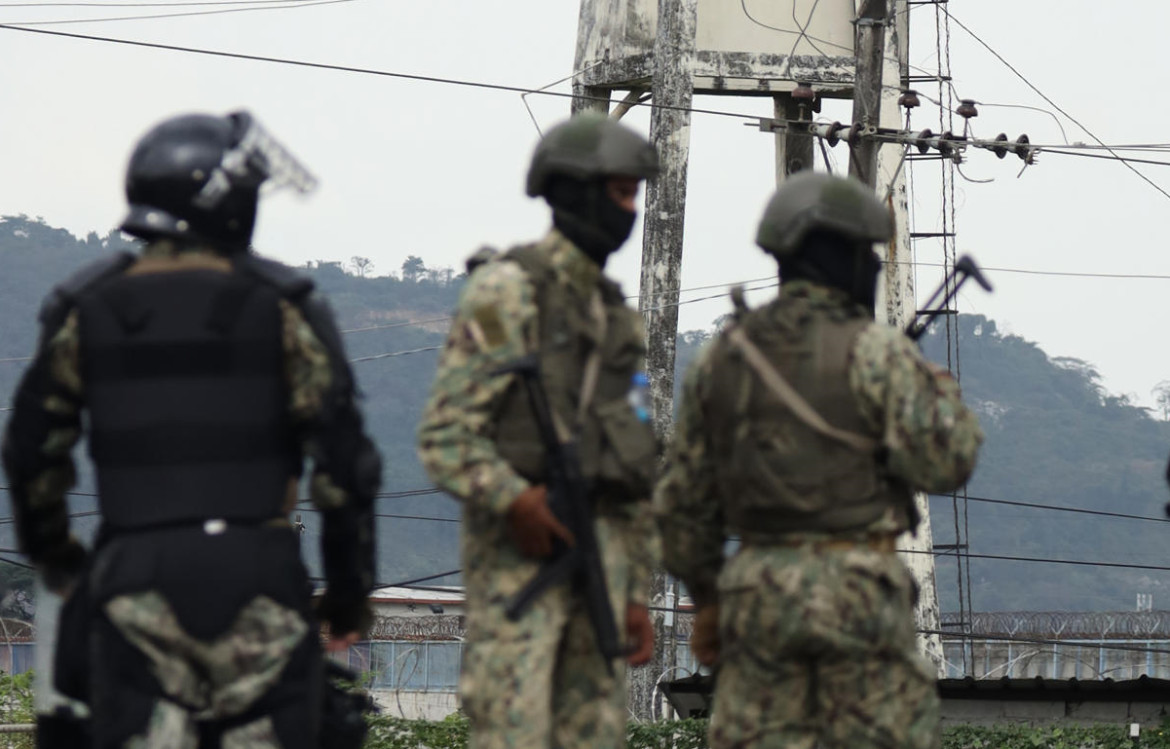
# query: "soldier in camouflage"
{"type": "Point", "coordinates": [207, 375]}
{"type": "Point", "coordinates": [804, 430]}
{"type": "Point", "coordinates": [539, 681]}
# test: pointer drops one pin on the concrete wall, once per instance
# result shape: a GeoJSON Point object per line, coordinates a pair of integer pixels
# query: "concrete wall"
{"type": "Point", "coordinates": [416, 705]}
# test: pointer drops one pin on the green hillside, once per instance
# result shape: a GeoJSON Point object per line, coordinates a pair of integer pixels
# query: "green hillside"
{"type": "Point", "coordinates": [1054, 436]}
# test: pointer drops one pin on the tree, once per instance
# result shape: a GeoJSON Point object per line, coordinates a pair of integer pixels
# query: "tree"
{"type": "Point", "coordinates": [362, 266]}
{"type": "Point", "coordinates": [1161, 393]}
{"type": "Point", "coordinates": [412, 268]}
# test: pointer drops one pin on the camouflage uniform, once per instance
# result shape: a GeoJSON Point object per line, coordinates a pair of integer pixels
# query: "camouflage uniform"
{"type": "Point", "coordinates": [538, 681]}
{"type": "Point", "coordinates": [817, 644]}
{"type": "Point", "coordinates": [260, 673]}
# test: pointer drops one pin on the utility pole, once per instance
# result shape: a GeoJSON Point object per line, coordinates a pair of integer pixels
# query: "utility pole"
{"type": "Point", "coordinates": [794, 147]}
{"type": "Point", "coordinates": [662, 244]}
{"type": "Point", "coordinates": [870, 47]}
{"type": "Point", "coordinates": [666, 195]}
{"type": "Point", "coordinates": [882, 72]}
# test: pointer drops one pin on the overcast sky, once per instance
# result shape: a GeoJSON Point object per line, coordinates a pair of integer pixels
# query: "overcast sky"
{"type": "Point", "coordinates": [418, 168]}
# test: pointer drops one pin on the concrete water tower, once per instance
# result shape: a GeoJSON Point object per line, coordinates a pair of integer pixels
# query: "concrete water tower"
{"type": "Point", "coordinates": [669, 50]}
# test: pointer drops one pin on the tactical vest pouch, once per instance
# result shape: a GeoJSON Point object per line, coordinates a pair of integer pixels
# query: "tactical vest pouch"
{"type": "Point", "coordinates": [784, 487]}
{"type": "Point", "coordinates": [626, 464]}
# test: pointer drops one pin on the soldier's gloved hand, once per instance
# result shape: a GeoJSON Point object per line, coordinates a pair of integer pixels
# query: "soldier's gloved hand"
{"type": "Point", "coordinates": [346, 615]}
{"type": "Point", "coordinates": [705, 635]}
{"type": "Point", "coordinates": [940, 372]}
{"type": "Point", "coordinates": [533, 526]}
{"type": "Point", "coordinates": [640, 634]}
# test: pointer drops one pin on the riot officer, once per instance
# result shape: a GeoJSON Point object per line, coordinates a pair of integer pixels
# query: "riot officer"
{"type": "Point", "coordinates": [804, 430]}
{"type": "Point", "coordinates": [540, 681]}
{"type": "Point", "coordinates": [206, 375]}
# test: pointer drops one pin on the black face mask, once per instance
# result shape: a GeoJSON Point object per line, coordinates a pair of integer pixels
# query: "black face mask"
{"type": "Point", "coordinates": [835, 261]}
{"type": "Point", "coordinates": [588, 217]}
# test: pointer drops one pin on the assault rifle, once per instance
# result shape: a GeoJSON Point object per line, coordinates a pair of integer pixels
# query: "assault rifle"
{"type": "Point", "coordinates": [568, 499]}
{"type": "Point", "coordinates": [965, 268]}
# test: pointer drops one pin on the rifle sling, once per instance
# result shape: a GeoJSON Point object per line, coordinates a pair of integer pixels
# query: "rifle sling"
{"type": "Point", "coordinates": [775, 382]}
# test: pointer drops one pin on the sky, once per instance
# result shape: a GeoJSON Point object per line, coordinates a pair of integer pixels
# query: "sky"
{"type": "Point", "coordinates": [410, 167]}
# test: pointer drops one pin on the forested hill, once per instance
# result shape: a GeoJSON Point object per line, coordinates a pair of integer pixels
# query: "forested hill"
{"type": "Point", "coordinates": [383, 313]}
{"type": "Point", "coordinates": [1054, 436]}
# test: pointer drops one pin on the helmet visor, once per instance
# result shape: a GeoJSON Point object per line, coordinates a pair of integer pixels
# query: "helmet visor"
{"type": "Point", "coordinates": [256, 160]}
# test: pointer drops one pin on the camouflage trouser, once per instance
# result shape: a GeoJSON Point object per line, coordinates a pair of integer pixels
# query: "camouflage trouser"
{"type": "Point", "coordinates": [156, 687]}
{"type": "Point", "coordinates": [538, 682]}
{"type": "Point", "coordinates": [818, 652]}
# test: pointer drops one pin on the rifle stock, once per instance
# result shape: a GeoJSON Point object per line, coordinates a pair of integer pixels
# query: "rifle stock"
{"type": "Point", "coordinates": [964, 268]}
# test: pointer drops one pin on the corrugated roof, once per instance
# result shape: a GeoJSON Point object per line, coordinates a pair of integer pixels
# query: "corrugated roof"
{"type": "Point", "coordinates": [1141, 689]}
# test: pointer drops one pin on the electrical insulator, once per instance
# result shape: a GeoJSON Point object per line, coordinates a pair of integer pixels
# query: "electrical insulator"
{"type": "Point", "coordinates": [804, 92]}
{"type": "Point", "coordinates": [909, 99]}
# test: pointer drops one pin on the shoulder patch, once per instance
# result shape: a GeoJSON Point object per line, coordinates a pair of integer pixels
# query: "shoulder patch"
{"type": "Point", "coordinates": [487, 317]}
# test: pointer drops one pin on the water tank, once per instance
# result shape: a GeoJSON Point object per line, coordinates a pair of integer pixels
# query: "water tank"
{"type": "Point", "coordinates": [742, 47]}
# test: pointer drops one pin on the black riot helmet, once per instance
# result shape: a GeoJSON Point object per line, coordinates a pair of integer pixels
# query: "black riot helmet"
{"type": "Point", "coordinates": [197, 178]}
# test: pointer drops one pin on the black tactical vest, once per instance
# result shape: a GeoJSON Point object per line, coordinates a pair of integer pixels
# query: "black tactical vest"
{"type": "Point", "coordinates": [618, 452]}
{"type": "Point", "coordinates": [184, 383]}
{"type": "Point", "coordinates": [777, 474]}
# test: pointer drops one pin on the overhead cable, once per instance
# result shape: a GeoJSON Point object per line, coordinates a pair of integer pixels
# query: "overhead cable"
{"type": "Point", "coordinates": [183, 4]}
{"type": "Point", "coordinates": [288, 4]}
{"type": "Point", "coordinates": [1073, 274]}
{"type": "Point", "coordinates": [1042, 560]}
{"type": "Point", "coordinates": [1057, 508]}
{"type": "Point", "coordinates": [1042, 95]}
{"type": "Point", "coordinates": [351, 69]}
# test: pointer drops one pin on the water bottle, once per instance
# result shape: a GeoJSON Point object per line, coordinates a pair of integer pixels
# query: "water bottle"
{"type": "Point", "coordinates": [640, 396]}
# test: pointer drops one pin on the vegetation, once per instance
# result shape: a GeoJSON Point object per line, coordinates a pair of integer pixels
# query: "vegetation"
{"type": "Point", "coordinates": [1054, 435]}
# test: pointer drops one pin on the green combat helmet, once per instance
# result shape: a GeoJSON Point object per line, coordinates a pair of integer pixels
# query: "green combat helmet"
{"type": "Point", "coordinates": [588, 146]}
{"type": "Point", "coordinates": [808, 202]}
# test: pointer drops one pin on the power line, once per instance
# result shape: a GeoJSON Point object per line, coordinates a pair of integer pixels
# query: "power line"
{"type": "Point", "coordinates": [409, 493]}
{"type": "Point", "coordinates": [1058, 508]}
{"type": "Point", "coordinates": [1043, 560]}
{"type": "Point", "coordinates": [291, 4]}
{"type": "Point", "coordinates": [1041, 94]}
{"type": "Point", "coordinates": [404, 324]}
{"type": "Point", "coordinates": [706, 298]}
{"type": "Point", "coordinates": [15, 563]}
{"type": "Point", "coordinates": [1127, 160]}
{"type": "Point", "coordinates": [400, 517]}
{"type": "Point", "coordinates": [393, 354]}
{"type": "Point", "coordinates": [146, 5]}
{"type": "Point", "coordinates": [351, 69]}
{"type": "Point", "coordinates": [408, 352]}
{"type": "Point", "coordinates": [409, 583]}
{"type": "Point", "coordinates": [1071, 274]}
